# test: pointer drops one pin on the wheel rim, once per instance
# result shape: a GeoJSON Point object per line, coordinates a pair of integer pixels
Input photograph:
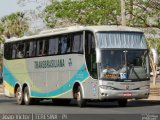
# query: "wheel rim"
{"type": "Point", "coordinates": [26, 97]}
{"type": "Point", "coordinates": [78, 95]}
{"type": "Point", "coordinates": [19, 95]}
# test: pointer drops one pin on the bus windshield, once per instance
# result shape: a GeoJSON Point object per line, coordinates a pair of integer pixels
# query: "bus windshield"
{"type": "Point", "coordinates": [123, 64]}
{"type": "Point", "coordinates": [121, 40]}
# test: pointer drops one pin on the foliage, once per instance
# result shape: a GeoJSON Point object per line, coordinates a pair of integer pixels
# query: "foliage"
{"type": "Point", "coordinates": [154, 43]}
{"type": "Point", "coordinates": [86, 12]}
{"type": "Point", "coordinates": [143, 13]}
{"type": "Point", "coordinates": [14, 24]}
{"type": "Point", "coordinates": [139, 13]}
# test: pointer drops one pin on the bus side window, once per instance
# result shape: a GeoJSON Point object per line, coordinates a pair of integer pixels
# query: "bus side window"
{"type": "Point", "coordinates": [66, 44]}
{"type": "Point", "coordinates": [63, 44]}
{"type": "Point", "coordinates": [69, 38]}
{"type": "Point", "coordinates": [59, 46]}
{"type": "Point", "coordinates": [32, 48]}
{"type": "Point", "coordinates": [53, 46]}
{"type": "Point", "coordinates": [20, 50]}
{"type": "Point", "coordinates": [8, 51]}
{"type": "Point", "coordinates": [14, 50]}
{"type": "Point", "coordinates": [77, 43]}
{"type": "Point", "coordinates": [27, 49]}
{"type": "Point", "coordinates": [39, 48]}
{"type": "Point", "coordinates": [46, 47]}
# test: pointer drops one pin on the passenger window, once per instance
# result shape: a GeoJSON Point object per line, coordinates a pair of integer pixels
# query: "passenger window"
{"type": "Point", "coordinates": [63, 44]}
{"type": "Point", "coordinates": [77, 43]}
{"type": "Point", "coordinates": [32, 49]}
{"type": "Point", "coordinates": [27, 49]}
{"type": "Point", "coordinates": [53, 46]}
{"type": "Point", "coordinates": [8, 51]}
{"type": "Point", "coordinates": [41, 48]}
{"type": "Point", "coordinates": [20, 50]}
{"type": "Point", "coordinates": [69, 38]}
{"type": "Point", "coordinates": [59, 46]}
{"type": "Point", "coordinates": [14, 51]}
{"type": "Point", "coordinates": [46, 47]}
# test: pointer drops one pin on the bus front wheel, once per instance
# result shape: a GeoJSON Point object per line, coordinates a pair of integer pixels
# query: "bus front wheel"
{"type": "Point", "coordinates": [19, 96]}
{"type": "Point", "coordinates": [122, 103]}
{"type": "Point", "coordinates": [80, 101]}
{"type": "Point", "coordinates": [27, 99]}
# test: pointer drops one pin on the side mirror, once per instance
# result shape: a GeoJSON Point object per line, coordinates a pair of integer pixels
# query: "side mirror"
{"type": "Point", "coordinates": [155, 55]}
{"type": "Point", "coordinates": [98, 55]}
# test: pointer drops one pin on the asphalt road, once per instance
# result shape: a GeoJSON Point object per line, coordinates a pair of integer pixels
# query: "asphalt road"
{"type": "Point", "coordinates": [135, 110]}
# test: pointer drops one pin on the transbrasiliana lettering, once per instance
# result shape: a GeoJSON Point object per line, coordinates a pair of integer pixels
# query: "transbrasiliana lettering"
{"type": "Point", "coordinates": [49, 64]}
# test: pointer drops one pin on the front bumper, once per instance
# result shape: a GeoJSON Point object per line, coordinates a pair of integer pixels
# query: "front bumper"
{"type": "Point", "coordinates": [123, 94]}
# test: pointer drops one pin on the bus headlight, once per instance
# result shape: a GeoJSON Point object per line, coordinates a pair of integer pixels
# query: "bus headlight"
{"type": "Point", "coordinates": [106, 87]}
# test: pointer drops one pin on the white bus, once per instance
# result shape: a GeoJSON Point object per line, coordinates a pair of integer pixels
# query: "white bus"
{"type": "Point", "coordinates": [99, 63]}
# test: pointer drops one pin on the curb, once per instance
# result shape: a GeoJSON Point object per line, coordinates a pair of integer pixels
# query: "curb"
{"type": "Point", "coordinates": [152, 98]}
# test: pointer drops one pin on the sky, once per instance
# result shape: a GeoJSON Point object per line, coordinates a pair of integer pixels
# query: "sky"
{"type": "Point", "coordinates": [10, 6]}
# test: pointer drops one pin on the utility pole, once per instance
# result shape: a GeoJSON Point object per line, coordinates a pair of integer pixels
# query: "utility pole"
{"type": "Point", "coordinates": [123, 16]}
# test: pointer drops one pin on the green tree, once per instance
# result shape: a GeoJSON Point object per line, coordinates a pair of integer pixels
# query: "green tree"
{"type": "Point", "coordinates": [143, 13]}
{"type": "Point", "coordinates": [84, 12]}
{"type": "Point", "coordinates": [153, 43]}
{"type": "Point", "coordinates": [1, 32]}
{"type": "Point", "coordinates": [146, 14]}
{"type": "Point", "coordinates": [15, 24]}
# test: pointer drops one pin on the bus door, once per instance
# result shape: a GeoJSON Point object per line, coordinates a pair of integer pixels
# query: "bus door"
{"type": "Point", "coordinates": [90, 55]}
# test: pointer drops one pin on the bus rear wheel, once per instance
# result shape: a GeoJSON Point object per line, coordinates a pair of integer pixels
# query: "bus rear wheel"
{"type": "Point", "coordinates": [27, 99]}
{"type": "Point", "coordinates": [19, 96]}
{"type": "Point", "coordinates": [122, 103]}
{"type": "Point", "coordinates": [80, 101]}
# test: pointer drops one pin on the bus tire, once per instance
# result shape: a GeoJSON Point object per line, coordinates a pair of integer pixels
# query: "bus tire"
{"type": "Point", "coordinates": [80, 101]}
{"type": "Point", "coordinates": [19, 96]}
{"type": "Point", "coordinates": [27, 99]}
{"type": "Point", "coordinates": [122, 103]}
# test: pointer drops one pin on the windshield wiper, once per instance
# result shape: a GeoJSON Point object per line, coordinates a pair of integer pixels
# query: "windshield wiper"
{"type": "Point", "coordinates": [131, 67]}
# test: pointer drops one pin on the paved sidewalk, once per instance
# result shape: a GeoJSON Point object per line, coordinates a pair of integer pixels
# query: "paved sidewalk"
{"type": "Point", "coordinates": [153, 98]}
{"type": "Point", "coordinates": [157, 85]}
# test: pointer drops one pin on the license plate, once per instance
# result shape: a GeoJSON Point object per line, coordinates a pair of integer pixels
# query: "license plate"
{"type": "Point", "coordinates": [127, 94]}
